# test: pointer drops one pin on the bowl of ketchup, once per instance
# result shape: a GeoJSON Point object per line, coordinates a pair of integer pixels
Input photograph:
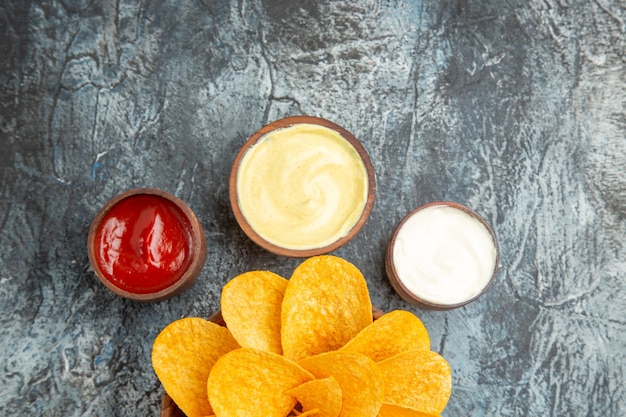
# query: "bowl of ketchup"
{"type": "Point", "coordinates": [146, 245]}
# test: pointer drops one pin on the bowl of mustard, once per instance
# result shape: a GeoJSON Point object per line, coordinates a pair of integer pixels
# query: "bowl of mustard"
{"type": "Point", "coordinates": [302, 186]}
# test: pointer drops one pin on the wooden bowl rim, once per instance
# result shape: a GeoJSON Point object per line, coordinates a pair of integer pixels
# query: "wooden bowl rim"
{"type": "Point", "coordinates": [281, 124]}
{"type": "Point", "coordinates": [198, 247]}
{"type": "Point", "coordinates": [400, 287]}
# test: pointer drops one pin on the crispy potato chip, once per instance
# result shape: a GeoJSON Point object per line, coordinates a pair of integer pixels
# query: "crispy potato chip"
{"type": "Point", "coordinates": [182, 357]}
{"type": "Point", "coordinates": [358, 376]}
{"type": "Point", "coordinates": [322, 395]}
{"type": "Point", "coordinates": [417, 379]}
{"type": "Point", "coordinates": [389, 410]}
{"type": "Point", "coordinates": [251, 305]}
{"type": "Point", "coordinates": [309, 413]}
{"type": "Point", "coordinates": [326, 304]}
{"type": "Point", "coordinates": [394, 332]}
{"type": "Point", "coordinates": [252, 383]}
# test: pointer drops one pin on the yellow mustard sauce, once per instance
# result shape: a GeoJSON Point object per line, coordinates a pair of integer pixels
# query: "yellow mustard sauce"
{"type": "Point", "coordinates": [302, 187]}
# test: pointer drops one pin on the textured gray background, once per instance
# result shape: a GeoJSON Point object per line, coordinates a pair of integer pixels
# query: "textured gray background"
{"type": "Point", "coordinates": [515, 108]}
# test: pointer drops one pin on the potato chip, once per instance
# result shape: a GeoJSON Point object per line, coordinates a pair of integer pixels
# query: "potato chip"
{"type": "Point", "coordinates": [322, 395]}
{"type": "Point", "coordinates": [326, 304]}
{"type": "Point", "coordinates": [389, 410]}
{"type": "Point", "coordinates": [309, 413]}
{"type": "Point", "coordinates": [358, 376]}
{"type": "Point", "coordinates": [394, 332]}
{"type": "Point", "coordinates": [252, 383]}
{"type": "Point", "coordinates": [182, 357]}
{"type": "Point", "coordinates": [251, 305]}
{"type": "Point", "coordinates": [417, 379]}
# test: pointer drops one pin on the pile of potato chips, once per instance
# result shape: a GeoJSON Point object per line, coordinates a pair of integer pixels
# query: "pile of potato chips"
{"type": "Point", "coordinates": [307, 346]}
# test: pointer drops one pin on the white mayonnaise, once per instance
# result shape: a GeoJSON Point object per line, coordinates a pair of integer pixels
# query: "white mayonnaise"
{"type": "Point", "coordinates": [443, 255]}
{"type": "Point", "coordinates": [302, 187]}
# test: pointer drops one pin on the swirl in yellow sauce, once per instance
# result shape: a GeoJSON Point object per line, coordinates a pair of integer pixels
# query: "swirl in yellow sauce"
{"type": "Point", "coordinates": [302, 187]}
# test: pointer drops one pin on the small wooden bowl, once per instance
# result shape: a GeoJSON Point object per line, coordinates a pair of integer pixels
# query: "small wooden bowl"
{"type": "Point", "coordinates": [284, 123]}
{"type": "Point", "coordinates": [401, 288]}
{"type": "Point", "coordinates": [198, 247]}
{"type": "Point", "coordinates": [169, 407]}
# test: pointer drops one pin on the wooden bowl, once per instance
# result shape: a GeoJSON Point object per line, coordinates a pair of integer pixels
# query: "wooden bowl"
{"type": "Point", "coordinates": [301, 253]}
{"type": "Point", "coordinates": [197, 246]}
{"type": "Point", "coordinates": [415, 299]}
{"type": "Point", "coordinates": [169, 407]}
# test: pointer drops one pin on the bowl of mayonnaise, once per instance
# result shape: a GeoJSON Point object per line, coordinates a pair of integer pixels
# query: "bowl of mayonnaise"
{"type": "Point", "coordinates": [302, 186]}
{"type": "Point", "coordinates": [442, 255]}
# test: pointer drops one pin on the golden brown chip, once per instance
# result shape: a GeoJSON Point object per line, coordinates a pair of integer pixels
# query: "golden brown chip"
{"type": "Point", "coordinates": [251, 306]}
{"type": "Point", "coordinates": [182, 357]}
{"type": "Point", "coordinates": [326, 304]}
{"type": "Point", "coordinates": [358, 376]}
{"type": "Point", "coordinates": [313, 412]}
{"type": "Point", "coordinates": [394, 332]}
{"type": "Point", "coordinates": [252, 383]}
{"type": "Point", "coordinates": [322, 395]}
{"type": "Point", "coordinates": [417, 379]}
{"type": "Point", "coordinates": [389, 410]}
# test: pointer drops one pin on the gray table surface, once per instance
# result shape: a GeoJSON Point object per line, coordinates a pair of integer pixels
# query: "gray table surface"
{"type": "Point", "coordinates": [514, 108]}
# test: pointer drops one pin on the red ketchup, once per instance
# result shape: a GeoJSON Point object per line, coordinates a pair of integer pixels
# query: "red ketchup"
{"type": "Point", "coordinates": [143, 244]}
